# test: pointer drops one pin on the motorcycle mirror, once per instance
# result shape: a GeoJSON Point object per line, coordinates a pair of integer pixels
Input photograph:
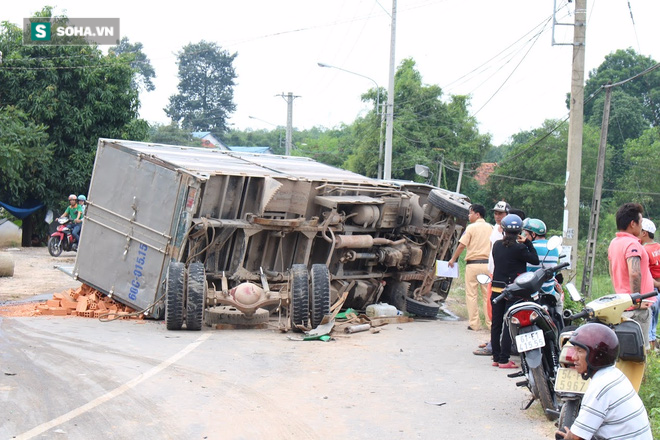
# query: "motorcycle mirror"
{"type": "Point", "coordinates": [573, 292]}
{"type": "Point", "coordinates": [554, 242]}
{"type": "Point", "coordinates": [483, 278]}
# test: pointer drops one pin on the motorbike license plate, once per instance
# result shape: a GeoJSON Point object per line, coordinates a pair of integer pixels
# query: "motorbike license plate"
{"type": "Point", "coordinates": [569, 381]}
{"type": "Point", "coordinates": [530, 341]}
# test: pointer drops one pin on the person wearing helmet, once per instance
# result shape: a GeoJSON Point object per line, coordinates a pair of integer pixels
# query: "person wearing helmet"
{"type": "Point", "coordinates": [73, 211]}
{"type": "Point", "coordinates": [536, 230]}
{"type": "Point", "coordinates": [610, 407]}
{"type": "Point", "coordinates": [75, 231]}
{"type": "Point", "coordinates": [510, 258]}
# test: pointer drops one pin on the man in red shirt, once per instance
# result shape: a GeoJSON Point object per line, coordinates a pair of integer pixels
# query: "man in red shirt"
{"type": "Point", "coordinates": [629, 264]}
{"type": "Point", "coordinates": [653, 249]}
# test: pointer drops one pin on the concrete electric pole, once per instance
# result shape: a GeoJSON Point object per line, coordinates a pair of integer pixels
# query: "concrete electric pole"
{"type": "Point", "coordinates": [289, 97]}
{"type": "Point", "coordinates": [389, 119]}
{"type": "Point", "coordinates": [574, 156]}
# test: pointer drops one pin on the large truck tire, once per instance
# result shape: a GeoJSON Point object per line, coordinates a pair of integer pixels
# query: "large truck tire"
{"type": "Point", "coordinates": [299, 308]}
{"type": "Point", "coordinates": [445, 203]}
{"type": "Point", "coordinates": [320, 304]}
{"type": "Point", "coordinates": [395, 294]}
{"type": "Point", "coordinates": [196, 294]}
{"type": "Point", "coordinates": [422, 308]}
{"type": "Point", "coordinates": [174, 285]}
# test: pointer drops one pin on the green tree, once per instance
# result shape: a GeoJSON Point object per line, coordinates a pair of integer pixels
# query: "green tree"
{"type": "Point", "coordinates": [641, 183]}
{"type": "Point", "coordinates": [531, 176]}
{"type": "Point", "coordinates": [426, 128]}
{"type": "Point", "coordinates": [78, 94]}
{"type": "Point", "coordinates": [144, 71]}
{"type": "Point", "coordinates": [637, 97]}
{"type": "Point", "coordinates": [25, 152]}
{"type": "Point", "coordinates": [172, 134]}
{"type": "Point", "coordinates": [206, 88]}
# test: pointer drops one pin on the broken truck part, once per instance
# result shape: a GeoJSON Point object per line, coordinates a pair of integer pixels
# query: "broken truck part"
{"type": "Point", "coordinates": [188, 233]}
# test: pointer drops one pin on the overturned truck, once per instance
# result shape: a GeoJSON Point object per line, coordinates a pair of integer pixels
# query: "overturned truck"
{"type": "Point", "coordinates": [204, 236]}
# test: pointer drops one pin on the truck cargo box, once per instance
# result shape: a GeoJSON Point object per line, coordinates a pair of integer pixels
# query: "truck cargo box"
{"type": "Point", "coordinates": [188, 233]}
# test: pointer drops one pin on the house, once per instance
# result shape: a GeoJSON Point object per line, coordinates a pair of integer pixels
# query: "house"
{"type": "Point", "coordinates": [483, 172]}
{"type": "Point", "coordinates": [208, 140]}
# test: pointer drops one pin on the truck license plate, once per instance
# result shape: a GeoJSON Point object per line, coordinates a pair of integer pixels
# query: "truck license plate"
{"type": "Point", "coordinates": [570, 381]}
{"type": "Point", "coordinates": [530, 341]}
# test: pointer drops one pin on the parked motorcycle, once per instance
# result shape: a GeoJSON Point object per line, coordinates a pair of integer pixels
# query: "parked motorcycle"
{"type": "Point", "coordinates": [534, 324]}
{"type": "Point", "coordinates": [607, 310]}
{"type": "Point", "coordinates": [62, 239]}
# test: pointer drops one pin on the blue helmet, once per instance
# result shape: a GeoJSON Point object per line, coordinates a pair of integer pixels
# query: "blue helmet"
{"type": "Point", "coordinates": [512, 223]}
{"type": "Point", "coordinates": [82, 198]}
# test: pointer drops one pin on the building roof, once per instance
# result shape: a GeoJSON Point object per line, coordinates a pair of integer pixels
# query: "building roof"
{"type": "Point", "coordinates": [484, 171]}
{"type": "Point", "coordinates": [261, 150]}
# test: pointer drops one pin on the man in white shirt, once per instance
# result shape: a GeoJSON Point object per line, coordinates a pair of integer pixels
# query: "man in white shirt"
{"type": "Point", "coordinates": [610, 408]}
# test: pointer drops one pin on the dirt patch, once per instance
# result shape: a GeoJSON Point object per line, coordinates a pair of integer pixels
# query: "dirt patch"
{"type": "Point", "coordinates": [35, 273]}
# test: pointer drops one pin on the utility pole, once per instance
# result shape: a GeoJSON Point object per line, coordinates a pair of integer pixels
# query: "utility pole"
{"type": "Point", "coordinates": [289, 97]}
{"type": "Point", "coordinates": [380, 141]}
{"type": "Point", "coordinates": [595, 204]}
{"type": "Point", "coordinates": [574, 156]}
{"type": "Point", "coordinates": [387, 172]}
{"type": "Point", "coordinates": [440, 166]}
{"type": "Point", "coordinates": [460, 177]}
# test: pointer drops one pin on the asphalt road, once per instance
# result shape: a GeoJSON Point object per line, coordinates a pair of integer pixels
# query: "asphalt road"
{"type": "Point", "coordinates": [76, 378]}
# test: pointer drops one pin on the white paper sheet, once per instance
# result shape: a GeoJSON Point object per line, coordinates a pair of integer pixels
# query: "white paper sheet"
{"type": "Point", "coordinates": [442, 269]}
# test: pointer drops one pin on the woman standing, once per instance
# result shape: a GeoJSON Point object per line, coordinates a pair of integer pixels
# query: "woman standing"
{"type": "Point", "coordinates": [510, 256]}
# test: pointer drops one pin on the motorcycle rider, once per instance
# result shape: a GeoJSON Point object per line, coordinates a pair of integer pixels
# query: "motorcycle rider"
{"type": "Point", "coordinates": [536, 230]}
{"type": "Point", "coordinates": [610, 407]}
{"type": "Point", "coordinates": [510, 255]}
{"type": "Point", "coordinates": [74, 213]}
{"type": "Point", "coordinates": [75, 231]}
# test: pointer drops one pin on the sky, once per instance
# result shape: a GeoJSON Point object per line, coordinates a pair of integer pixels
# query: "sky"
{"type": "Point", "coordinates": [499, 53]}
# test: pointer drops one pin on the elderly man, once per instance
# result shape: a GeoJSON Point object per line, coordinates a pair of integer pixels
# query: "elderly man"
{"type": "Point", "coordinates": [477, 241]}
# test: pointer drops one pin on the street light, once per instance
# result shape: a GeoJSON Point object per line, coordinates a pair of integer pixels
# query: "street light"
{"type": "Point", "coordinates": [382, 113]}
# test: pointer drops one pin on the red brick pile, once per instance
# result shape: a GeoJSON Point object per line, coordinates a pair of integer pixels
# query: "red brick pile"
{"type": "Point", "coordinates": [86, 302]}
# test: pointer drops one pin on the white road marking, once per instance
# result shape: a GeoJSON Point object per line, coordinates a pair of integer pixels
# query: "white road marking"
{"type": "Point", "coordinates": [114, 393]}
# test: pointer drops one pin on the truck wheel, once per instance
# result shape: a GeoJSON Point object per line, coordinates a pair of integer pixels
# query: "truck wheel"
{"type": "Point", "coordinates": [422, 308]}
{"type": "Point", "coordinates": [54, 246]}
{"type": "Point", "coordinates": [444, 202]}
{"type": "Point", "coordinates": [174, 295]}
{"type": "Point", "coordinates": [299, 309]}
{"type": "Point", "coordinates": [320, 304]}
{"type": "Point", "coordinates": [196, 289]}
{"type": "Point", "coordinates": [569, 412]}
{"type": "Point", "coordinates": [395, 294]}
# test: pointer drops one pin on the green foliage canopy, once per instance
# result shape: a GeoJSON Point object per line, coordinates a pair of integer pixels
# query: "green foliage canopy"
{"type": "Point", "coordinates": [206, 88]}
{"type": "Point", "coordinates": [77, 94]}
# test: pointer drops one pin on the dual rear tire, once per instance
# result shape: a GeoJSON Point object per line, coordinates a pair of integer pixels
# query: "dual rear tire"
{"type": "Point", "coordinates": [185, 293]}
{"type": "Point", "coordinates": [310, 295]}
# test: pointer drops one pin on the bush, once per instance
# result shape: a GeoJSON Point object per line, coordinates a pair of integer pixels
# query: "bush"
{"type": "Point", "coordinates": [650, 391]}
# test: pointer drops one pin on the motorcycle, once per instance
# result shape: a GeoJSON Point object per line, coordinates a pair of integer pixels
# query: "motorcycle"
{"type": "Point", "coordinates": [62, 239]}
{"type": "Point", "coordinates": [606, 310]}
{"type": "Point", "coordinates": [534, 324]}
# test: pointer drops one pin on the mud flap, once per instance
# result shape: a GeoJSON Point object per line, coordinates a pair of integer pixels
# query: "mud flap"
{"type": "Point", "coordinates": [533, 358]}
